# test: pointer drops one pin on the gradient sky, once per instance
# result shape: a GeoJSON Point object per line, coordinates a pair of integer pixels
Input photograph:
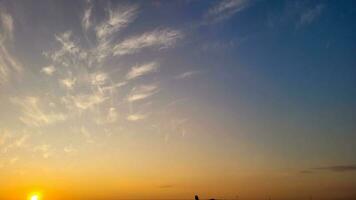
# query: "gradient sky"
{"type": "Point", "coordinates": [167, 99]}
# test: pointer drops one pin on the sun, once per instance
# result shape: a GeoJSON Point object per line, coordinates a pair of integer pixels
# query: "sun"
{"type": "Point", "coordinates": [35, 196]}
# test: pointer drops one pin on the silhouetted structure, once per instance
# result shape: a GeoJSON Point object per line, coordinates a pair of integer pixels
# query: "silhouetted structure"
{"type": "Point", "coordinates": [197, 198]}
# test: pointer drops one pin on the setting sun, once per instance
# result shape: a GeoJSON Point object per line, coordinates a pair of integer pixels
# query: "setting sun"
{"type": "Point", "coordinates": [34, 196]}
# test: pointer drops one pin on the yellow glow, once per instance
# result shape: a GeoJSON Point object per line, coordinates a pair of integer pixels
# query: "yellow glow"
{"type": "Point", "coordinates": [34, 196]}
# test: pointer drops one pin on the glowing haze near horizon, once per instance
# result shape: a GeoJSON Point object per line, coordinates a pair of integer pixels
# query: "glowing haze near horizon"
{"type": "Point", "coordinates": [167, 99]}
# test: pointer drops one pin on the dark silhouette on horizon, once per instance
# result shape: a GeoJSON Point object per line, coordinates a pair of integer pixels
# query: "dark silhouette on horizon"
{"type": "Point", "coordinates": [197, 198]}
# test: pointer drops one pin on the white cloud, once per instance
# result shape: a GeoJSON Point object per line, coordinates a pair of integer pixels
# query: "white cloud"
{"type": "Point", "coordinates": [68, 48]}
{"type": "Point", "coordinates": [142, 92]}
{"type": "Point", "coordinates": [105, 31]}
{"type": "Point", "coordinates": [86, 18]}
{"type": "Point", "coordinates": [310, 15]}
{"type": "Point", "coordinates": [187, 74]}
{"type": "Point", "coordinates": [114, 86]}
{"type": "Point", "coordinates": [7, 24]}
{"type": "Point", "coordinates": [8, 65]}
{"type": "Point", "coordinates": [67, 44]}
{"type": "Point", "coordinates": [161, 38]}
{"type": "Point", "coordinates": [9, 141]}
{"type": "Point", "coordinates": [225, 9]}
{"type": "Point", "coordinates": [117, 20]}
{"type": "Point", "coordinates": [21, 141]}
{"type": "Point", "coordinates": [84, 101]}
{"type": "Point", "coordinates": [140, 70]}
{"type": "Point", "coordinates": [99, 78]}
{"type": "Point", "coordinates": [136, 117]}
{"type": "Point", "coordinates": [68, 82]}
{"type": "Point", "coordinates": [112, 115]}
{"type": "Point", "coordinates": [49, 70]}
{"type": "Point", "coordinates": [33, 115]}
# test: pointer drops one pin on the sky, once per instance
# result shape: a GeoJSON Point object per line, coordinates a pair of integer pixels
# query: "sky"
{"type": "Point", "coordinates": [248, 99]}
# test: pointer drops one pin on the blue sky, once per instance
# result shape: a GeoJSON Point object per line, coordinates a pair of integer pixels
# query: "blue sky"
{"type": "Point", "coordinates": [265, 87]}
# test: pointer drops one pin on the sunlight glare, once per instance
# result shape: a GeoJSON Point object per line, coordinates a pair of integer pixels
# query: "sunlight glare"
{"type": "Point", "coordinates": [35, 196]}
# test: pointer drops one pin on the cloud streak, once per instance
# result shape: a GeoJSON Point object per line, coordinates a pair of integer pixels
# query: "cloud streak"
{"type": "Point", "coordinates": [136, 117]}
{"type": "Point", "coordinates": [8, 64]}
{"type": "Point", "coordinates": [7, 24]}
{"type": "Point", "coordinates": [338, 168]}
{"type": "Point", "coordinates": [49, 70]}
{"type": "Point", "coordinates": [332, 168]}
{"type": "Point", "coordinates": [117, 20]}
{"type": "Point", "coordinates": [142, 92]}
{"type": "Point", "coordinates": [140, 70]}
{"type": "Point", "coordinates": [225, 9]}
{"type": "Point", "coordinates": [86, 23]}
{"type": "Point", "coordinates": [84, 101]}
{"type": "Point", "coordinates": [187, 74]}
{"type": "Point", "coordinates": [33, 115]}
{"type": "Point", "coordinates": [159, 38]}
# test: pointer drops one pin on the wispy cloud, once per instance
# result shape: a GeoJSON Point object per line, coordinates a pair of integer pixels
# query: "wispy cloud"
{"type": "Point", "coordinates": [117, 19]}
{"type": "Point", "coordinates": [8, 63]}
{"type": "Point", "coordinates": [113, 86]}
{"type": "Point", "coordinates": [84, 101]}
{"type": "Point", "coordinates": [310, 15]}
{"type": "Point", "coordinates": [86, 23]}
{"type": "Point", "coordinates": [68, 46]}
{"type": "Point", "coordinates": [140, 70]}
{"type": "Point", "coordinates": [99, 78]}
{"type": "Point", "coordinates": [332, 168]}
{"type": "Point", "coordinates": [338, 168]}
{"type": "Point", "coordinates": [225, 9]}
{"type": "Point", "coordinates": [44, 149]}
{"type": "Point", "coordinates": [7, 24]}
{"type": "Point", "coordinates": [69, 149]}
{"type": "Point", "coordinates": [8, 141]}
{"type": "Point", "coordinates": [33, 115]}
{"type": "Point", "coordinates": [80, 80]}
{"type": "Point", "coordinates": [49, 70]}
{"type": "Point", "coordinates": [86, 134]}
{"type": "Point", "coordinates": [187, 74]}
{"type": "Point", "coordinates": [142, 92]}
{"type": "Point", "coordinates": [69, 53]}
{"type": "Point", "coordinates": [112, 115]}
{"type": "Point", "coordinates": [68, 82]}
{"type": "Point", "coordinates": [160, 38]}
{"type": "Point", "coordinates": [136, 117]}
{"type": "Point", "coordinates": [297, 13]}
{"type": "Point", "coordinates": [21, 140]}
